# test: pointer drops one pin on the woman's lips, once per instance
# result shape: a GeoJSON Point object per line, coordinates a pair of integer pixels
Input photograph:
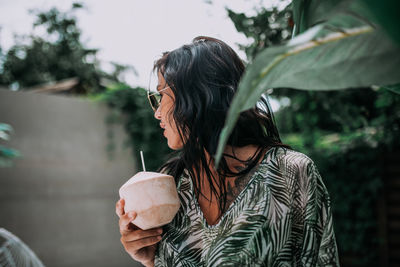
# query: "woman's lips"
{"type": "Point", "coordinates": [162, 125]}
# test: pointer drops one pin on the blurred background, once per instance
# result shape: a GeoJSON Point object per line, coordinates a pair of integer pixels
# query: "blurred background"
{"type": "Point", "coordinates": [74, 115]}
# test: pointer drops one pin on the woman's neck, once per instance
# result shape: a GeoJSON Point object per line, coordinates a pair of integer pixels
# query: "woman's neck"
{"type": "Point", "coordinates": [236, 158]}
{"type": "Point", "coordinates": [237, 155]}
{"type": "Point", "coordinates": [236, 161]}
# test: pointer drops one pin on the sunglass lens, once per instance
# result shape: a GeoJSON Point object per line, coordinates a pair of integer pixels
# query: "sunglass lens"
{"type": "Point", "coordinates": [154, 102]}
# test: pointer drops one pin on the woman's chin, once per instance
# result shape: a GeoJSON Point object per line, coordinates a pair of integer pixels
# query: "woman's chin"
{"type": "Point", "coordinates": [173, 140]}
{"type": "Point", "coordinates": [174, 145]}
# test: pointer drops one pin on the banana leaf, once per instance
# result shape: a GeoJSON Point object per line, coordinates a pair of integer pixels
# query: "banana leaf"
{"type": "Point", "coordinates": [345, 51]}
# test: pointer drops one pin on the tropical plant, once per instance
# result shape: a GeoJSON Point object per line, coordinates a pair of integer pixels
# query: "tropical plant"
{"type": "Point", "coordinates": [6, 153]}
{"type": "Point", "coordinates": [14, 252]}
{"type": "Point", "coordinates": [337, 46]}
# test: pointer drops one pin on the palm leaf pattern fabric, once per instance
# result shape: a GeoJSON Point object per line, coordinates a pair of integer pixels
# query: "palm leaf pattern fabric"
{"type": "Point", "coordinates": [281, 218]}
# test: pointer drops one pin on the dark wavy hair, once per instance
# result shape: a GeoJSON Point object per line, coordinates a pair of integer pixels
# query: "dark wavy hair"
{"type": "Point", "coordinates": [204, 77]}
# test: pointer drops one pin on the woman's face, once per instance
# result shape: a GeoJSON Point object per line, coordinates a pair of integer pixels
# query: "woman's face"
{"type": "Point", "coordinates": [164, 114]}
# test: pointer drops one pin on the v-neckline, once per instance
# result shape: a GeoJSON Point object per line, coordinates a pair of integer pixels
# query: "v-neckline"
{"type": "Point", "coordinates": [233, 203]}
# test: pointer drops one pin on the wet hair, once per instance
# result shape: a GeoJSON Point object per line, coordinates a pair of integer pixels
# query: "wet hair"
{"type": "Point", "coordinates": [204, 77]}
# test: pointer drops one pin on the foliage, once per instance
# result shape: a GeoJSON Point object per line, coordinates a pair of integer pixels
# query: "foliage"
{"type": "Point", "coordinates": [385, 13]}
{"type": "Point", "coordinates": [354, 188]}
{"type": "Point", "coordinates": [6, 153]}
{"type": "Point", "coordinates": [270, 27]}
{"type": "Point", "coordinates": [131, 107]}
{"type": "Point", "coordinates": [59, 56]}
{"type": "Point", "coordinates": [347, 133]}
{"type": "Point", "coordinates": [13, 251]}
{"type": "Point", "coordinates": [340, 51]}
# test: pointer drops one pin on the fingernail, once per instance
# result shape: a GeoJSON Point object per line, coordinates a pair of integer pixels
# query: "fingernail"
{"type": "Point", "coordinates": [159, 231]}
{"type": "Point", "coordinates": [131, 214]}
{"type": "Point", "coordinates": [159, 237]}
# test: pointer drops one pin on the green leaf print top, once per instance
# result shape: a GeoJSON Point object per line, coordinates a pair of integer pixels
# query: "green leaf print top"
{"type": "Point", "coordinates": [281, 218]}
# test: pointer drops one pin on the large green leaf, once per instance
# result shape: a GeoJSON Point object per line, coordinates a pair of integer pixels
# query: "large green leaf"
{"type": "Point", "coordinates": [395, 88]}
{"type": "Point", "coordinates": [386, 13]}
{"type": "Point", "coordinates": [307, 13]}
{"type": "Point", "coordinates": [343, 52]}
{"type": "Point", "coordinates": [5, 129]}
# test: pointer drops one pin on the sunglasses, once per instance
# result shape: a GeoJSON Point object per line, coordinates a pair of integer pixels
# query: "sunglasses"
{"type": "Point", "coordinates": [155, 98]}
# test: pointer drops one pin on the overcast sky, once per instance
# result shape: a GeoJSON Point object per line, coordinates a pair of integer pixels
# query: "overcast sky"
{"type": "Point", "coordinates": [134, 32]}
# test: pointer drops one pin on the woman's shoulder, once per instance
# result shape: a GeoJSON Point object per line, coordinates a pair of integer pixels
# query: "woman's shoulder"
{"type": "Point", "coordinates": [295, 168]}
{"type": "Point", "coordinates": [291, 158]}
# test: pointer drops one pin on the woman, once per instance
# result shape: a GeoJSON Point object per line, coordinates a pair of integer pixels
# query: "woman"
{"type": "Point", "coordinates": [265, 205]}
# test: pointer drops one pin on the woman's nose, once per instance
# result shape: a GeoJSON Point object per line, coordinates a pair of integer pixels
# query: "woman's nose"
{"type": "Point", "coordinates": [157, 113]}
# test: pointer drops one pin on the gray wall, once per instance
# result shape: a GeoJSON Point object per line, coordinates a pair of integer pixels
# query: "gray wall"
{"type": "Point", "coordinates": [59, 197]}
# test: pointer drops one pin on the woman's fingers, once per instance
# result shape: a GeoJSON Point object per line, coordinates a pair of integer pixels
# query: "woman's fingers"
{"type": "Point", "coordinates": [119, 207]}
{"type": "Point", "coordinates": [138, 243]}
{"type": "Point", "coordinates": [124, 222]}
{"type": "Point", "coordinates": [141, 234]}
{"type": "Point", "coordinates": [141, 243]}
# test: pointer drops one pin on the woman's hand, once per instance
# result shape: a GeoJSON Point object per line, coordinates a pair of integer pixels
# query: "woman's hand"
{"type": "Point", "coordinates": [139, 244]}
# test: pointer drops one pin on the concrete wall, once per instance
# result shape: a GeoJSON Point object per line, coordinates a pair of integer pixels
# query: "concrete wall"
{"type": "Point", "coordinates": [59, 197]}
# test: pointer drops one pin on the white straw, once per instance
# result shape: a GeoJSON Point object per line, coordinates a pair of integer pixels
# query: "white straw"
{"type": "Point", "coordinates": [141, 155]}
